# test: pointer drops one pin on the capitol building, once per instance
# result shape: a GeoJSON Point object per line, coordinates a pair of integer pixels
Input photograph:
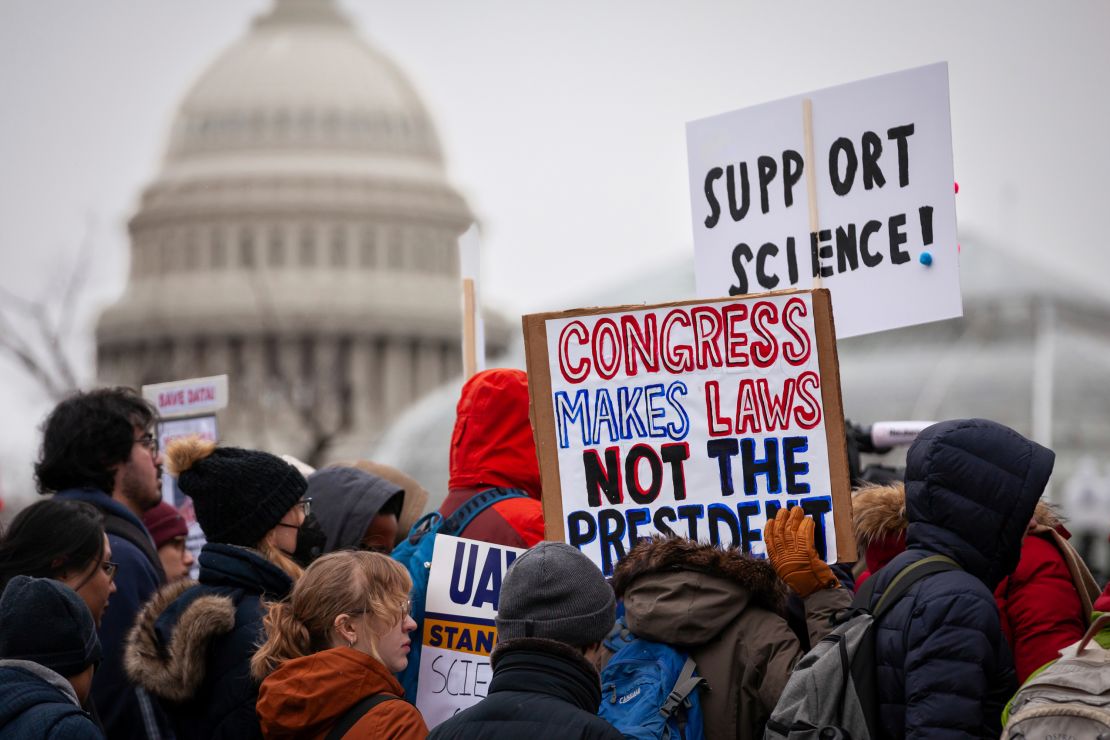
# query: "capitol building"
{"type": "Point", "coordinates": [301, 237]}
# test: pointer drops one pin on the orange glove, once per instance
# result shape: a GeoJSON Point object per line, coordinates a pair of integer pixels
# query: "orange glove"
{"type": "Point", "coordinates": [790, 548]}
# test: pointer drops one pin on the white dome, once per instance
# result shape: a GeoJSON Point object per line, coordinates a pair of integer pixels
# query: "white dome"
{"type": "Point", "coordinates": [301, 236]}
{"type": "Point", "coordinates": [302, 80]}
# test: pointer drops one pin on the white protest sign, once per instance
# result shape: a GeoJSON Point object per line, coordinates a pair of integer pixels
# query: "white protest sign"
{"type": "Point", "coordinates": [700, 419]}
{"type": "Point", "coordinates": [168, 430]}
{"type": "Point", "coordinates": [459, 633]}
{"type": "Point", "coordinates": [192, 397]}
{"type": "Point", "coordinates": [884, 242]}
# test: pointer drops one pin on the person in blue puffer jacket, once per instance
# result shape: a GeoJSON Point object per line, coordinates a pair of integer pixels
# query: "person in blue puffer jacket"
{"type": "Point", "coordinates": [944, 667]}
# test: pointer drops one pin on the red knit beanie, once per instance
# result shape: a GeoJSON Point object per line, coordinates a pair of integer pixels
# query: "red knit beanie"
{"type": "Point", "coordinates": [164, 523]}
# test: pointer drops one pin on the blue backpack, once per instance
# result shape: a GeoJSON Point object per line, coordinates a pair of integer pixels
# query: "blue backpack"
{"type": "Point", "coordinates": [415, 553]}
{"type": "Point", "coordinates": [649, 689]}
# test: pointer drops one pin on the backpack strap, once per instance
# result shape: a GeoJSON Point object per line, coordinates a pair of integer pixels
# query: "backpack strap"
{"type": "Point", "coordinates": [907, 577]}
{"type": "Point", "coordinates": [465, 514]}
{"type": "Point", "coordinates": [686, 684]}
{"type": "Point", "coordinates": [351, 717]}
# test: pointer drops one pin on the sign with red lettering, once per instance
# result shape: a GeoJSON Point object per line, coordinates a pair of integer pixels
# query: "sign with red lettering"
{"type": "Point", "coordinates": [193, 397]}
{"type": "Point", "coordinates": [880, 227]}
{"type": "Point", "coordinates": [697, 418]}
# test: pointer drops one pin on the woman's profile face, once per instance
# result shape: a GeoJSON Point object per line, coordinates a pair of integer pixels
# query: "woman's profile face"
{"type": "Point", "coordinates": [94, 582]}
{"type": "Point", "coordinates": [394, 645]}
{"type": "Point", "coordinates": [285, 533]}
{"type": "Point", "coordinates": [391, 647]}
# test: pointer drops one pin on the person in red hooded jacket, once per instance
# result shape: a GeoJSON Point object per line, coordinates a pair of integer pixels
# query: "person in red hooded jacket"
{"type": "Point", "coordinates": [1046, 602]}
{"type": "Point", "coordinates": [492, 446]}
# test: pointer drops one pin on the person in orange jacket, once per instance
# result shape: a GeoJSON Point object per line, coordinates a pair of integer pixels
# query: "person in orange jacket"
{"type": "Point", "coordinates": [331, 651]}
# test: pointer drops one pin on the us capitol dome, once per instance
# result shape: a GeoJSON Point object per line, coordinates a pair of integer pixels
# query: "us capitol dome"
{"type": "Point", "coordinates": [302, 238]}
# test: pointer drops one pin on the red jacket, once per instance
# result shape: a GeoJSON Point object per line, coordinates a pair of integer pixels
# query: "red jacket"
{"type": "Point", "coordinates": [492, 445]}
{"type": "Point", "coordinates": [1040, 607]}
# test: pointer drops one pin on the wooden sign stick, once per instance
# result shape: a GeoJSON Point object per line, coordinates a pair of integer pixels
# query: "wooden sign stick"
{"type": "Point", "coordinates": [470, 346]}
{"type": "Point", "coordinates": [811, 174]}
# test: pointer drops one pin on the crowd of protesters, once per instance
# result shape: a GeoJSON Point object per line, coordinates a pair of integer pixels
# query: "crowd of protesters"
{"type": "Point", "coordinates": [298, 624]}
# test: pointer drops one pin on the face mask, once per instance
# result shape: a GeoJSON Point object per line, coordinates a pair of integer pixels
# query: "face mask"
{"type": "Point", "coordinates": [310, 541]}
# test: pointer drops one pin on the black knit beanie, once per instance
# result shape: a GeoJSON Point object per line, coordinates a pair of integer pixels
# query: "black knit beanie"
{"type": "Point", "coordinates": [44, 621]}
{"type": "Point", "coordinates": [238, 495]}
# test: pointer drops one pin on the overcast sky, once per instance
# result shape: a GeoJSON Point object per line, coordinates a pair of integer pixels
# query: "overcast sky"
{"type": "Point", "coordinates": [562, 123]}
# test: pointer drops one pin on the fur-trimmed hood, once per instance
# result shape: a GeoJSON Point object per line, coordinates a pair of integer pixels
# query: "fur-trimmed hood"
{"type": "Point", "coordinates": [662, 554]}
{"type": "Point", "coordinates": [683, 592]}
{"type": "Point", "coordinates": [879, 512]}
{"type": "Point", "coordinates": [169, 660]}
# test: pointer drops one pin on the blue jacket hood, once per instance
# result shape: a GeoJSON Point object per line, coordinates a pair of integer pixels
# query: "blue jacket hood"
{"type": "Point", "coordinates": [35, 704]}
{"type": "Point", "coordinates": [971, 488]}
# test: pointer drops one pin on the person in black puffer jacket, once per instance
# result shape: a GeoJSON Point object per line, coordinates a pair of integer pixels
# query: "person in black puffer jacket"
{"type": "Point", "coordinates": [555, 609]}
{"type": "Point", "coordinates": [192, 643]}
{"type": "Point", "coordinates": [944, 668]}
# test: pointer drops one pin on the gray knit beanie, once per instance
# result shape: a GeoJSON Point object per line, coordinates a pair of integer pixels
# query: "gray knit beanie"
{"type": "Point", "coordinates": [556, 592]}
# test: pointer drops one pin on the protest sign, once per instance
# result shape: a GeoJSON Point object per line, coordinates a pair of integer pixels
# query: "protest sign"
{"type": "Point", "coordinates": [459, 633]}
{"type": "Point", "coordinates": [187, 408]}
{"type": "Point", "coordinates": [192, 397]}
{"type": "Point", "coordinates": [852, 185]}
{"type": "Point", "coordinates": [169, 430]}
{"type": "Point", "coordinates": [697, 418]}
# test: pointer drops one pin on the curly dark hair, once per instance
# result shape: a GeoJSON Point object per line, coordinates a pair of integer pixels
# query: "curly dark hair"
{"type": "Point", "coordinates": [49, 538]}
{"type": "Point", "coordinates": [87, 435]}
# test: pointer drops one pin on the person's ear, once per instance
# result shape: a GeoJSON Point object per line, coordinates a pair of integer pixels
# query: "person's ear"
{"type": "Point", "coordinates": [345, 630]}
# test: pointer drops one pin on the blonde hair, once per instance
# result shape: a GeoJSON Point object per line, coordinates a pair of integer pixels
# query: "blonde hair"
{"type": "Point", "coordinates": [338, 583]}
{"type": "Point", "coordinates": [278, 557]}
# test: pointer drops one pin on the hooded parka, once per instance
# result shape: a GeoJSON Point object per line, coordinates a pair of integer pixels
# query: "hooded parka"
{"type": "Point", "coordinates": [1042, 607]}
{"type": "Point", "coordinates": [38, 703]}
{"type": "Point", "coordinates": [345, 501]}
{"type": "Point", "coordinates": [727, 610]}
{"type": "Point", "coordinates": [306, 697]}
{"type": "Point", "coordinates": [944, 668]}
{"type": "Point", "coordinates": [192, 644]}
{"type": "Point", "coordinates": [492, 446]}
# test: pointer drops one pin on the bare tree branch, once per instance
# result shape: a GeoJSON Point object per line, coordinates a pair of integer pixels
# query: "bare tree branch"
{"type": "Point", "coordinates": [42, 350]}
{"type": "Point", "coordinates": [75, 285]}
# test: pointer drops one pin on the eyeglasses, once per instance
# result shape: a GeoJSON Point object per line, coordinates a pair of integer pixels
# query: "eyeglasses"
{"type": "Point", "coordinates": [110, 569]}
{"type": "Point", "coordinates": [148, 441]}
{"type": "Point", "coordinates": [406, 610]}
{"type": "Point", "coordinates": [305, 505]}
